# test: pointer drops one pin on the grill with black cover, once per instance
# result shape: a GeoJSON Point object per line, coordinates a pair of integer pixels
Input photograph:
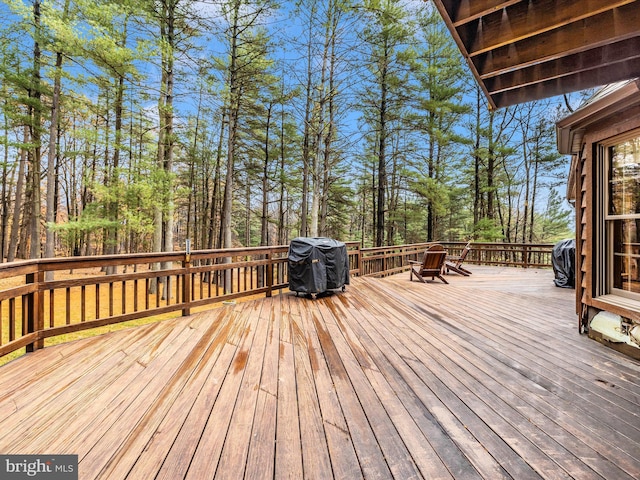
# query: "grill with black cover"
{"type": "Point", "coordinates": [317, 264]}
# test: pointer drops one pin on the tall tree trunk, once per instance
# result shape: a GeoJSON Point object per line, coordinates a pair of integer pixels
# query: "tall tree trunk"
{"type": "Point", "coordinates": [527, 183]}
{"type": "Point", "coordinates": [216, 212]}
{"type": "Point", "coordinates": [534, 188]}
{"type": "Point", "coordinates": [431, 174]}
{"type": "Point", "coordinates": [307, 132]}
{"type": "Point", "coordinates": [234, 110]}
{"type": "Point", "coordinates": [17, 204]}
{"type": "Point", "coordinates": [49, 248]}
{"type": "Point", "coordinates": [264, 220]}
{"type": "Point", "coordinates": [329, 136]}
{"type": "Point", "coordinates": [281, 201]}
{"type": "Point", "coordinates": [168, 113]}
{"type": "Point", "coordinates": [477, 195]}
{"type": "Point", "coordinates": [36, 120]}
{"type": "Point", "coordinates": [382, 145]}
{"type": "Point", "coordinates": [247, 212]}
{"type": "Point", "coordinates": [319, 124]}
{"type": "Point", "coordinates": [163, 233]}
{"type": "Point", "coordinates": [191, 201]}
{"type": "Point", "coordinates": [490, 169]}
{"type": "Point", "coordinates": [6, 181]}
{"type": "Point", "coordinates": [113, 240]}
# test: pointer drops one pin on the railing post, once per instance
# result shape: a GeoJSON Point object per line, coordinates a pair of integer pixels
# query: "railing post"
{"type": "Point", "coordinates": [525, 260]}
{"type": "Point", "coordinates": [186, 285]}
{"type": "Point", "coordinates": [384, 262]}
{"type": "Point", "coordinates": [269, 292]}
{"type": "Point", "coordinates": [35, 308]}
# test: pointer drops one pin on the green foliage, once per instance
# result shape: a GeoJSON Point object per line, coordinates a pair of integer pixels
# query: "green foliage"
{"type": "Point", "coordinates": [487, 230]}
{"type": "Point", "coordinates": [409, 143]}
{"type": "Point", "coordinates": [556, 222]}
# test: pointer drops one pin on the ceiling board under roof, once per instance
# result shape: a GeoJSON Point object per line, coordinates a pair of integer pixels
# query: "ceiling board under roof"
{"type": "Point", "coordinates": [524, 50]}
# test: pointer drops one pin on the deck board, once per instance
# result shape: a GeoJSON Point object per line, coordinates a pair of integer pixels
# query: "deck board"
{"type": "Point", "coordinates": [486, 377]}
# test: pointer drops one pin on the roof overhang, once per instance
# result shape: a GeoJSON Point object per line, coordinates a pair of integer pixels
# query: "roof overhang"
{"type": "Point", "coordinates": [570, 130]}
{"type": "Point", "coordinates": [525, 50]}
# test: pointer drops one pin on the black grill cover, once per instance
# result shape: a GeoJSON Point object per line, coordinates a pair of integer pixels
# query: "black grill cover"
{"type": "Point", "coordinates": [564, 263]}
{"type": "Point", "coordinates": [317, 265]}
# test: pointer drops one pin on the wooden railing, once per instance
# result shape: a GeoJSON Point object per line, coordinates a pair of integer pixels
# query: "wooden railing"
{"type": "Point", "coordinates": [382, 261]}
{"type": "Point", "coordinates": [45, 298]}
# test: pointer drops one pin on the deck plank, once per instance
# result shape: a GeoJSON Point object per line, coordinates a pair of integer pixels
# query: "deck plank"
{"type": "Point", "coordinates": [344, 460]}
{"type": "Point", "coordinates": [148, 389]}
{"type": "Point", "coordinates": [488, 453]}
{"type": "Point", "coordinates": [236, 446]}
{"type": "Point", "coordinates": [143, 454]}
{"type": "Point", "coordinates": [263, 439]}
{"type": "Point", "coordinates": [370, 456]}
{"type": "Point", "coordinates": [486, 377]}
{"type": "Point", "coordinates": [540, 366]}
{"type": "Point", "coordinates": [288, 446]}
{"type": "Point", "coordinates": [547, 407]}
{"type": "Point", "coordinates": [358, 364]}
{"type": "Point", "coordinates": [211, 443]}
{"type": "Point", "coordinates": [315, 451]}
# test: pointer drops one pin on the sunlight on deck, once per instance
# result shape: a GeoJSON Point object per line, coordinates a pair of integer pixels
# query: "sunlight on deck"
{"type": "Point", "coordinates": [486, 377]}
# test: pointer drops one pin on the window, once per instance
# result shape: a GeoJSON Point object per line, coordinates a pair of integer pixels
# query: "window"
{"type": "Point", "coordinates": [622, 218]}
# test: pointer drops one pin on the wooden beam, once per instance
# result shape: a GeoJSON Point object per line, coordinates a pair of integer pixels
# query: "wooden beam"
{"type": "Point", "coordinates": [608, 56]}
{"type": "Point", "coordinates": [606, 28]}
{"type": "Point", "coordinates": [461, 12]}
{"type": "Point", "coordinates": [571, 83]}
{"type": "Point", "coordinates": [439, 4]}
{"type": "Point", "coordinates": [529, 19]}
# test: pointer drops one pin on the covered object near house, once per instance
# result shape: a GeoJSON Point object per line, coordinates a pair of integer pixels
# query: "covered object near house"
{"type": "Point", "coordinates": [563, 259]}
{"type": "Point", "coordinates": [521, 51]}
{"type": "Point", "coordinates": [317, 264]}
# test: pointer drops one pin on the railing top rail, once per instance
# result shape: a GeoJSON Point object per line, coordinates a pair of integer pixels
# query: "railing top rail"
{"type": "Point", "coordinates": [60, 263]}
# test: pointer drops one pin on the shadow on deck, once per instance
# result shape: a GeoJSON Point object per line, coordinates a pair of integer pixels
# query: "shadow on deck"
{"type": "Point", "coordinates": [484, 378]}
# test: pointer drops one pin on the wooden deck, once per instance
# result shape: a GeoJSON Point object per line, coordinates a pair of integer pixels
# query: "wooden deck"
{"type": "Point", "coordinates": [486, 377]}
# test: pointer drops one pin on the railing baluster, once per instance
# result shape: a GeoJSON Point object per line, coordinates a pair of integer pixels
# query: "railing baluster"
{"type": "Point", "coordinates": [23, 315]}
{"type": "Point", "coordinates": [146, 294]}
{"type": "Point", "coordinates": [124, 297]}
{"type": "Point", "coordinates": [269, 273]}
{"type": "Point", "coordinates": [111, 299]}
{"type": "Point", "coordinates": [83, 301]}
{"type": "Point", "coordinates": [52, 308]}
{"type": "Point", "coordinates": [68, 306]}
{"type": "Point", "coordinates": [12, 319]}
{"type": "Point", "coordinates": [97, 300]}
{"type": "Point", "coordinates": [135, 295]}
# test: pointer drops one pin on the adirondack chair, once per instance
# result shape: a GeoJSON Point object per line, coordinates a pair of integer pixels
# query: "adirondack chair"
{"type": "Point", "coordinates": [431, 266]}
{"type": "Point", "coordinates": [454, 263]}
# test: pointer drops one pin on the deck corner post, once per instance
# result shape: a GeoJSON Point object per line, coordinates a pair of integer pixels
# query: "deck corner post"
{"type": "Point", "coordinates": [35, 308]}
{"type": "Point", "coordinates": [186, 285]}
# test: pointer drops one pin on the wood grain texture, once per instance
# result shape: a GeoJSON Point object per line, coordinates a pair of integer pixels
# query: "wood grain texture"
{"type": "Point", "coordinates": [484, 378]}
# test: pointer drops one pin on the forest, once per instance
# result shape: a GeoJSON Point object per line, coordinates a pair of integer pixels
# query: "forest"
{"type": "Point", "coordinates": [139, 125]}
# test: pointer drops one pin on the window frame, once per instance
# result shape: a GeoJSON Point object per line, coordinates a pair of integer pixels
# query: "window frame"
{"type": "Point", "coordinates": [607, 223]}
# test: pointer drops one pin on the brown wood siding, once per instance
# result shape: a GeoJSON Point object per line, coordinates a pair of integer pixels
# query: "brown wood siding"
{"type": "Point", "coordinates": [581, 239]}
{"type": "Point", "coordinates": [587, 216]}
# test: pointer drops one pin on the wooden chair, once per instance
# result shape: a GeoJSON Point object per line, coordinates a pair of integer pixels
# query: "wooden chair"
{"type": "Point", "coordinates": [453, 263]}
{"type": "Point", "coordinates": [431, 266]}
